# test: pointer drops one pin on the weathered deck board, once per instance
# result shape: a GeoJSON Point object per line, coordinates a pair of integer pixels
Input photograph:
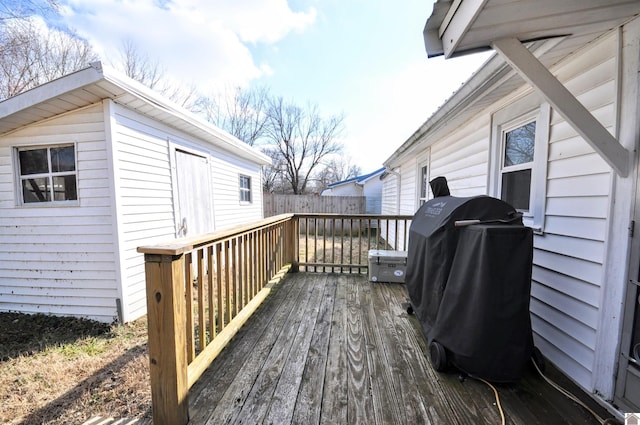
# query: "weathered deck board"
{"type": "Point", "coordinates": [327, 349]}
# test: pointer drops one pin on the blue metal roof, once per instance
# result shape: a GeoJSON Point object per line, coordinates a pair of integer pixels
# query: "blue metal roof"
{"type": "Point", "coordinates": [357, 179]}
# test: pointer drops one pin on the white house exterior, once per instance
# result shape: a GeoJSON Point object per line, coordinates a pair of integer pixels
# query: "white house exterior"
{"type": "Point", "coordinates": [93, 165]}
{"type": "Point", "coordinates": [564, 87]}
{"type": "Point", "coordinates": [367, 185]}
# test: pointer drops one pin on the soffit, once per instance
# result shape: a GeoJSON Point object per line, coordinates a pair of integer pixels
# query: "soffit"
{"type": "Point", "coordinates": [457, 27]}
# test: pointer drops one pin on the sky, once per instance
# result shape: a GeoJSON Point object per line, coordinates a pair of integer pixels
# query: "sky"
{"type": "Point", "coordinates": [361, 58]}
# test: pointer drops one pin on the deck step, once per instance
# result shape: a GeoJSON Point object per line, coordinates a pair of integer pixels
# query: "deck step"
{"type": "Point", "coordinates": [98, 420]}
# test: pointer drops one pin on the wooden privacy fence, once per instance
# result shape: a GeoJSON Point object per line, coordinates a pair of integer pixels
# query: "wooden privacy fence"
{"type": "Point", "coordinates": [201, 290]}
{"type": "Point", "coordinates": [275, 204]}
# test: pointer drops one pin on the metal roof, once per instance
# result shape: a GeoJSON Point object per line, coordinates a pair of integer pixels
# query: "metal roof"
{"type": "Point", "coordinates": [358, 179]}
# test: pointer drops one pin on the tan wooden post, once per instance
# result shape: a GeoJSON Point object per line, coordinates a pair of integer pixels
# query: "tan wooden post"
{"type": "Point", "coordinates": [166, 312]}
{"type": "Point", "coordinates": [292, 244]}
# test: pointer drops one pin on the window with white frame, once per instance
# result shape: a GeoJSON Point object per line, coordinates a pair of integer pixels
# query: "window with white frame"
{"type": "Point", "coordinates": [245, 188]}
{"type": "Point", "coordinates": [47, 174]}
{"type": "Point", "coordinates": [519, 147]}
{"type": "Point", "coordinates": [422, 188]}
{"type": "Point", "coordinates": [423, 196]}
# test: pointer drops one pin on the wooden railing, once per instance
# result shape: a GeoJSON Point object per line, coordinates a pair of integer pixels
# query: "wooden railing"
{"type": "Point", "coordinates": [340, 244]}
{"type": "Point", "coordinates": [201, 290]}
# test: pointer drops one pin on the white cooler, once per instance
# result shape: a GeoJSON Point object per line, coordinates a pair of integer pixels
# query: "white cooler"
{"type": "Point", "coordinates": [387, 265]}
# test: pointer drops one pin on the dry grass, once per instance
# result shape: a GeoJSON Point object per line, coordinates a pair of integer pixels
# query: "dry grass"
{"type": "Point", "coordinates": [65, 371]}
{"type": "Point", "coordinates": [69, 370]}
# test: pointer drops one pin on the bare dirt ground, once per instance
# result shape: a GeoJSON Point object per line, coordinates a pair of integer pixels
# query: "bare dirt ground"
{"type": "Point", "coordinates": [57, 370]}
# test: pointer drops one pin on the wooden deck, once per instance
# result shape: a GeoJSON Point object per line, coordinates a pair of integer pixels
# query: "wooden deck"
{"type": "Point", "coordinates": [337, 349]}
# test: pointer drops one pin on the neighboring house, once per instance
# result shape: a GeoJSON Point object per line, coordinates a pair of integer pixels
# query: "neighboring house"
{"type": "Point", "coordinates": [551, 124]}
{"type": "Point", "coordinates": [368, 185]}
{"type": "Point", "coordinates": [93, 165]}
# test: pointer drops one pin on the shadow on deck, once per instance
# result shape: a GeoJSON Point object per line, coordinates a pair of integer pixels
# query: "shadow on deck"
{"type": "Point", "coordinates": [337, 349]}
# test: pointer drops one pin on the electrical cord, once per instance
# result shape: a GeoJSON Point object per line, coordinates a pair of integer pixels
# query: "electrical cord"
{"type": "Point", "coordinates": [573, 397]}
{"type": "Point", "coordinates": [495, 391]}
{"type": "Point", "coordinates": [609, 421]}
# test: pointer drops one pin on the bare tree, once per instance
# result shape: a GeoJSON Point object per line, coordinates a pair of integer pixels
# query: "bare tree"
{"type": "Point", "coordinates": [22, 9]}
{"type": "Point", "coordinates": [273, 180]}
{"type": "Point", "coordinates": [31, 54]}
{"type": "Point", "coordinates": [139, 66]}
{"type": "Point", "coordinates": [301, 138]}
{"type": "Point", "coordinates": [241, 112]}
{"type": "Point", "coordinates": [336, 169]}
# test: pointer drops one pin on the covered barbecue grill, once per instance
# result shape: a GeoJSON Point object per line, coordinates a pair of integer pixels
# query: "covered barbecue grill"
{"type": "Point", "coordinates": [469, 285]}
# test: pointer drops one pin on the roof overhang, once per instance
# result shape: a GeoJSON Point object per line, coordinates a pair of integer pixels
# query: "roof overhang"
{"type": "Point", "coordinates": [96, 83]}
{"type": "Point", "coordinates": [459, 27]}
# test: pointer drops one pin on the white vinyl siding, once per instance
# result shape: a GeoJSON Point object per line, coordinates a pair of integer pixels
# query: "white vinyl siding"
{"type": "Point", "coordinates": [568, 262]}
{"type": "Point", "coordinates": [145, 192]}
{"type": "Point", "coordinates": [408, 177]}
{"type": "Point", "coordinates": [390, 189]}
{"type": "Point", "coordinates": [372, 191]}
{"type": "Point", "coordinates": [144, 199]}
{"type": "Point", "coordinates": [60, 259]}
{"type": "Point", "coordinates": [462, 158]}
{"type": "Point", "coordinates": [569, 258]}
{"type": "Point", "coordinates": [225, 169]}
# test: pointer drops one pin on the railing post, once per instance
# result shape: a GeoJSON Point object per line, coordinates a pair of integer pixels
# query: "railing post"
{"type": "Point", "coordinates": [166, 313]}
{"type": "Point", "coordinates": [292, 250]}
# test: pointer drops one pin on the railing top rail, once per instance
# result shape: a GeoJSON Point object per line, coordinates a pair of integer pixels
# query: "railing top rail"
{"type": "Point", "coordinates": [180, 246]}
{"type": "Point", "coordinates": [363, 216]}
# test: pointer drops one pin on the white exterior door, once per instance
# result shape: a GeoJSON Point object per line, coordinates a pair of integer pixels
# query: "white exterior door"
{"type": "Point", "coordinates": [194, 203]}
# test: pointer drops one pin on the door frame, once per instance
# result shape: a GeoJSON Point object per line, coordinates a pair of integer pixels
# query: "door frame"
{"type": "Point", "coordinates": [174, 148]}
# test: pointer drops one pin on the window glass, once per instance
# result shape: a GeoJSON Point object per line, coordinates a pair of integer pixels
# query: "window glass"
{"type": "Point", "coordinates": [33, 161]}
{"type": "Point", "coordinates": [518, 155]}
{"type": "Point", "coordinates": [516, 189]}
{"type": "Point", "coordinates": [36, 190]}
{"type": "Point", "coordinates": [245, 189]}
{"type": "Point", "coordinates": [48, 174]}
{"type": "Point", "coordinates": [63, 159]}
{"type": "Point", "coordinates": [520, 145]}
{"type": "Point", "coordinates": [64, 188]}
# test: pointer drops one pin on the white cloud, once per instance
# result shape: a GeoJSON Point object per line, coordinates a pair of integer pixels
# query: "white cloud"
{"type": "Point", "coordinates": [195, 40]}
{"type": "Point", "coordinates": [266, 21]}
{"type": "Point", "coordinates": [398, 104]}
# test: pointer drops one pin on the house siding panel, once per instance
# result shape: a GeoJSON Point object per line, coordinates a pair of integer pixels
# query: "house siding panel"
{"type": "Point", "coordinates": [60, 260]}
{"type": "Point", "coordinates": [225, 183]}
{"type": "Point", "coordinates": [143, 151]}
{"type": "Point", "coordinates": [569, 258]}
{"type": "Point", "coordinates": [578, 187]}
{"type": "Point", "coordinates": [463, 158]}
{"type": "Point", "coordinates": [144, 194]}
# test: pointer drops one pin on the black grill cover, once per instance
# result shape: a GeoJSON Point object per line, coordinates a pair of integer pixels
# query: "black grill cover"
{"type": "Point", "coordinates": [470, 286]}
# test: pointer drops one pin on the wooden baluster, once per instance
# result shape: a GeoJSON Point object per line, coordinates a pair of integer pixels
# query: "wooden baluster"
{"type": "Point", "coordinates": [190, 327]}
{"type": "Point", "coordinates": [211, 289]}
{"type": "Point", "coordinates": [219, 288]}
{"type": "Point", "coordinates": [202, 331]}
